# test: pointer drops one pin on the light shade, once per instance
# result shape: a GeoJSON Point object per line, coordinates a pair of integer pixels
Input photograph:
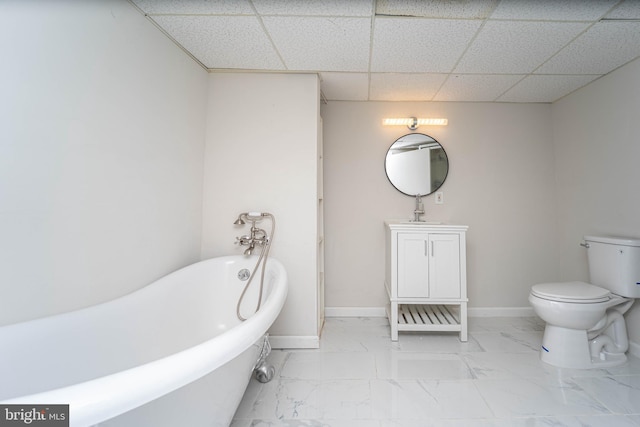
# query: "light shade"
{"type": "Point", "coordinates": [413, 122]}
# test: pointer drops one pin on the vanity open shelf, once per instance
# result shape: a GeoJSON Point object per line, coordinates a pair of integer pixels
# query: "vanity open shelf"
{"type": "Point", "coordinates": [426, 278]}
{"type": "Point", "coordinates": [412, 317]}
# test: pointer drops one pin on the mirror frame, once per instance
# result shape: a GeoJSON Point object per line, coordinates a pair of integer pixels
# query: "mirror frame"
{"type": "Point", "coordinates": [443, 151]}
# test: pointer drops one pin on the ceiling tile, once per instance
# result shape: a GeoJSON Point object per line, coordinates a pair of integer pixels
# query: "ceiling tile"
{"type": "Point", "coordinates": [604, 47]}
{"type": "Point", "coordinates": [445, 50]}
{"type": "Point", "coordinates": [471, 9]}
{"type": "Point", "coordinates": [553, 10]}
{"type": "Point", "coordinates": [544, 88]}
{"type": "Point", "coordinates": [474, 87]}
{"type": "Point", "coordinates": [314, 8]}
{"type": "Point", "coordinates": [629, 9]}
{"type": "Point", "coordinates": [222, 41]}
{"type": "Point", "coordinates": [345, 86]}
{"type": "Point", "coordinates": [329, 44]}
{"type": "Point", "coordinates": [404, 87]}
{"type": "Point", "coordinates": [208, 7]}
{"type": "Point", "coordinates": [419, 45]}
{"type": "Point", "coordinates": [507, 47]}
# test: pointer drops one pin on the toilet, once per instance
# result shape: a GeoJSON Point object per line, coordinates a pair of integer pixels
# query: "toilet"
{"type": "Point", "coordinates": [585, 325]}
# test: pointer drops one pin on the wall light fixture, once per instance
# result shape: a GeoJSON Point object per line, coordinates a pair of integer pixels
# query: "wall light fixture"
{"type": "Point", "coordinates": [413, 122]}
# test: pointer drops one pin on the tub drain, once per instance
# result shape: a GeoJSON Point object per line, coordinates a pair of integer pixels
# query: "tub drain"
{"type": "Point", "coordinates": [244, 274]}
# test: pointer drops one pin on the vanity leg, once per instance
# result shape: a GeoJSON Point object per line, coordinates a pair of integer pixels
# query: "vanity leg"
{"type": "Point", "coordinates": [463, 322]}
{"type": "Point", "coordinates": [393, 320]}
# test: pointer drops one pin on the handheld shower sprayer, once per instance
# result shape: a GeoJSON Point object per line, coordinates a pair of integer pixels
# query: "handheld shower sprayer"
{"type": "Point", "coordinates": [250, 216]}
{"type": "Point", "coordinates": [257, 237]}
{"type": "Point", "coordinates": [255, 215]}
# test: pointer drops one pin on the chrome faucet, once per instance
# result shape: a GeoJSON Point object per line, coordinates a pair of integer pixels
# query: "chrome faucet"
{"type": "Point", "coordinates": [257, 236]}
{"type": "Point", "coordinates": [419, 210]}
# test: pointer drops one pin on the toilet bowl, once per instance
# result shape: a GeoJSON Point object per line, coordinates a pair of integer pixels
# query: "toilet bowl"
{"type": "Point", "coordinates": [585, 325]}
{"type": "Point", "coordinates": [585, 328]}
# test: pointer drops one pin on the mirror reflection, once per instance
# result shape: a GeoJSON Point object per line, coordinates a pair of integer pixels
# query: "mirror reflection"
{"type": "Point", "coordinates": [416, 164]}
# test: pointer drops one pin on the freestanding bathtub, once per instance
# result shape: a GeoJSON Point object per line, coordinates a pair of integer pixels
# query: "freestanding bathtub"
{"type": "Point", "coordinates": [170, 354]}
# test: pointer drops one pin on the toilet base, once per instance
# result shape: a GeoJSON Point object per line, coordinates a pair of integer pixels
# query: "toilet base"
{"type": "Point", "coordinates": [569, 348]}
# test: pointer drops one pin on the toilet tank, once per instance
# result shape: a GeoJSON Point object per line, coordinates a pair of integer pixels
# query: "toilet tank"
{"type": "Point", "coordinates": [614, 264]}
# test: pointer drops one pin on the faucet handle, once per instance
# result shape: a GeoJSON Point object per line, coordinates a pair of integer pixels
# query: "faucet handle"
{"type": "Point", "coordinates": [243, 240]}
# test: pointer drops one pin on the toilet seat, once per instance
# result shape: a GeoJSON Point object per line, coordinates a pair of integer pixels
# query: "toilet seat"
{"type": "Point", "coordinates": [572, 292]}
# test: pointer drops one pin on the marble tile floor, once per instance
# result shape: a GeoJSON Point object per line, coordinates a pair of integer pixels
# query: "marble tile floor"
{"type": "Point", "coordinates": [360, 378]}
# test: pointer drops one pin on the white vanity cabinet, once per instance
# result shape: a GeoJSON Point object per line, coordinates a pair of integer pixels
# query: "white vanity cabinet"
{"type": "Point", "coordinates": [426, 277]}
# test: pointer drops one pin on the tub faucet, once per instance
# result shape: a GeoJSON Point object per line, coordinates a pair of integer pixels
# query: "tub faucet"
{"type": "Point", "coordinates": [257, 235]}
{"type": "Point", "coordinates": [250, 249]}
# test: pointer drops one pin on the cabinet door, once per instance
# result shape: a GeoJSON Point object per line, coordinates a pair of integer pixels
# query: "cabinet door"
{"type": "Point", "coordinates": [413, 265]}
{"type": "Point", "coordinates": [444, 266]}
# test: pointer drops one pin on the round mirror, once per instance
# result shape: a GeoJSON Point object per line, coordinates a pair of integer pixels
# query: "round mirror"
{"type": "Point", "coordinates": [416, 164]}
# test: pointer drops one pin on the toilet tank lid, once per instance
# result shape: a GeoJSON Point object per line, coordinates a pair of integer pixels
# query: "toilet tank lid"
{"type": "Point", "coordinates": [625, 241]}
{"type": "Point", "coordinates": [571, 291]}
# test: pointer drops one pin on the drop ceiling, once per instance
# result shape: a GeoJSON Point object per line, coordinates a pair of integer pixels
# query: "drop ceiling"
{"type": "Point", "coordinates": [412, 50]}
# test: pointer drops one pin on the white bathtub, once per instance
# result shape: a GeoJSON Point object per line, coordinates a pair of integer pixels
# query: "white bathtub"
{"type": "Point", "coordinates": [170, 354]}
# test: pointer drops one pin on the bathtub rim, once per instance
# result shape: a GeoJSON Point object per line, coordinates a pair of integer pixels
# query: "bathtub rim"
{"type": "Point", "coordinates": [100, 399]}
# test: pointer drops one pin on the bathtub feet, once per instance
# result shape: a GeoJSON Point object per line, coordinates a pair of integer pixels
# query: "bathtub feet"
{"type": "Point", "coordinates": [264, 372]}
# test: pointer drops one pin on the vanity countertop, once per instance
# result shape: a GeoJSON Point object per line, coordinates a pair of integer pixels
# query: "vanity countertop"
{"type": "Point", "coordinates": [410, 221]}
{"type": "Point", "coordinates": [409, 224]}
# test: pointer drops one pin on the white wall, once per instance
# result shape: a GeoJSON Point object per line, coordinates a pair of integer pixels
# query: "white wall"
{"type": "Point", "coordinates": [597, 148]}
{"type": "Point", "coordinates": [102, 123]}
{"type": "Point", "coordinates": [261, 155]}
{"type": "Point", "coordinates": [501, 183]}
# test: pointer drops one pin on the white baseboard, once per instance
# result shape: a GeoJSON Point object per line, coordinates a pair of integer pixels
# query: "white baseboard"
{"type": "Point", "coordinates": [634, 349]}
{"type": "Point", "coordinates": [355, 312]}
{"type": "Point", "coordinates": [500, 312]}
{"type": "Point", "coordinates": [472, 312]}
{"type": "Point", "coordinates": [281, 341]}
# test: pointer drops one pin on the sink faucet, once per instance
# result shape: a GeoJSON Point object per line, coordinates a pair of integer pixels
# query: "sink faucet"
{"type": "Point", "coordinates": [419, 209]}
